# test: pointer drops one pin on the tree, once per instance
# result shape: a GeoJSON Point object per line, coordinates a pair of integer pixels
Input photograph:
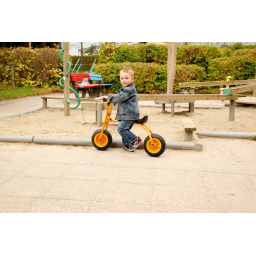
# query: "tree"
{"type": "Point", "coordinates": [91, 49]}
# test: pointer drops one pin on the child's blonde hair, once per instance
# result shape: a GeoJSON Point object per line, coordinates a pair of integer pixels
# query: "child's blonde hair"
{"type": "Point", "coordinates": [127, 70]}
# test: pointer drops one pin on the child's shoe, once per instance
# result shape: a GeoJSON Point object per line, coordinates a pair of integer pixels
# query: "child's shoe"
{"type": "Point", "coordinates": [129, 148]}
{"type": "Point", "coordinates": [136, 143]}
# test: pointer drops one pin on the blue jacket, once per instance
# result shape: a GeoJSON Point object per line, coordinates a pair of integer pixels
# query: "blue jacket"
{"type": "Point", "coordinates": [128, 106]}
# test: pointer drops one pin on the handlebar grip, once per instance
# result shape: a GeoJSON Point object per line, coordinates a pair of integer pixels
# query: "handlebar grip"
{"type": "Point", "coordinates": [105, 99]}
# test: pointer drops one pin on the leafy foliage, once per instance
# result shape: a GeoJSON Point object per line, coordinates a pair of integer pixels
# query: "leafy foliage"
{"type": "Point", "coordinates": [200, 55]}
{"type": "Point", "coordinates": [239, 67]}
{"type": "Point", "coordinates": [149, 77]}
{"type": "Point", "coordinates": [147, 53]}
{"type": "Point", "coordinates": [33, 67]}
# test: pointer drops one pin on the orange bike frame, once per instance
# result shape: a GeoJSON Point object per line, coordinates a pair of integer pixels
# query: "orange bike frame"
{"type": "Point", "coordinates": [108, 119]}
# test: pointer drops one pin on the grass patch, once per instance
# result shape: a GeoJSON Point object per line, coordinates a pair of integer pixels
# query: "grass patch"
{"type": "Point", "coordinates": [20, 92]}
{"type": "Point", "coordinates": [253, 137]}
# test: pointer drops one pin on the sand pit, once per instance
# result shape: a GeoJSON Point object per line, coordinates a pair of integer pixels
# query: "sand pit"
{"type": "Point", "coordinates": [52, 122]}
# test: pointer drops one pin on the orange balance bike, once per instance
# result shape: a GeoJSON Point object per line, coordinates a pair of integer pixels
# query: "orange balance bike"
{"type": "Point", "coordinates": [154, 144]}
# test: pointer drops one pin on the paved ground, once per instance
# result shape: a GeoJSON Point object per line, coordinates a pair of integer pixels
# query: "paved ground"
{"type": "Point", "coordinates": [52, 178]}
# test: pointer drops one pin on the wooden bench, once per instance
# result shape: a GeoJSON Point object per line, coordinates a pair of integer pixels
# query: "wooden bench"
{"type": "Point", "coordinates": [189, 128]}
{"type": "Point", "coordinates": [94, 90]}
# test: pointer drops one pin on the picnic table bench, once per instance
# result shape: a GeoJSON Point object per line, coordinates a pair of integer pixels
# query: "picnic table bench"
{"type": "Point", "coordinates": [94, 90]}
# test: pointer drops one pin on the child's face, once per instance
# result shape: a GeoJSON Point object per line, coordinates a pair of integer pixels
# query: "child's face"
{"type": "Point", "coordinates": [126, 78]}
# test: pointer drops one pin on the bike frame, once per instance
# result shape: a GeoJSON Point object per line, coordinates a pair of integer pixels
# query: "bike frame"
{"type": "Point", "coordinates": [108, 119]}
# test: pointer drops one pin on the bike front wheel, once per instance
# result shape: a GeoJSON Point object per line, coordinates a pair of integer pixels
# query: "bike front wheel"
{"type": "Point", "coordinates": [157, 148]}
{"type": "Point", "coordinates": [101, 142]}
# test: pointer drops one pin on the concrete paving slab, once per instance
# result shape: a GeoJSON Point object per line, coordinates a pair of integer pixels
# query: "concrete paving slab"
{"type": "Point", "coordinates": [99, 158]}
{"type": "Point", "coordinates": [88, 172]}
{"type": "Point", "coordinates": [192, 198]}
{"type": "Point", "coordinates": [173, 177]}
{"type": "Point", "coordinates": [12, 168]}
{"type": "Point", "coordinates": [15, 204]}
{"type": "Point", "coordinates": [26, 187]}
{"type": "Point", "coordinates": [160, 209]}
{"type": "Point", "coordinates": [75, 190]}
{"type": "Point", "coordinates": [227, 180]}
{"type": "Point", "coordinates": [45, 170]}
{"type": "Point", "coordinates": [4, 178]}
{"type": "Point", "coordinates": [119, 208]}
{"type": "Point", "coordinates": [59, 206]}
{"type": "Point", "coordinates": [123, 193]}
{"type": "Point", "coordinates": [132, 175]}
{"type": "Point", "coordinates": [233, 200]}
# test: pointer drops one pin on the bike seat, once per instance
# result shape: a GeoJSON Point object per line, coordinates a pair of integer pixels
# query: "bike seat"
{"type": "Point", "coordinates": [143, 120]}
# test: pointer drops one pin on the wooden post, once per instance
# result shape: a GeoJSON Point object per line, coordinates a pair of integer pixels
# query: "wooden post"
{"type": "Point", "coordinates": [172, 108]}
{"type": "Point", "coordinates": [163, 108]}
{"type": "Point", "coordinates": [192, 104]}
{"type": "Point", "coordinates": [13, 75]}
{"type": "Point", "coordinates": [66, 79]}
{"type": "Point", "coordinates": [169, 67]}
{"type": "Point", "coordinates": [29, 45]}
{"type": "Point", "coordinates": [99, 114]}
{"type": "Point", "coordinates": [173, 67]}
{"type": "Point", "coordinates": [44, 103]}
{"type": "Point", "coordinates": [232, 108]}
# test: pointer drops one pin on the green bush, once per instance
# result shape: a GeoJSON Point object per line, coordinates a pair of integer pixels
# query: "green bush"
{"type": "Point", "coordinates": [87, 59]}
{"type": "Point", "coordinates": [149, 77]}
{"type": "Point", "coordinates": [147, 53]}
{"type": "Point", "coordinates": [194, 54]}
{"type": "Point", "coordinates": [152, 53]}
{"type": "Point", "coordinates": [226, 52]}
{"type": "Point", "coordinates": [250, 53]}
{"type": "Point", "coordinates": [239, 67]}
{"type": "Point", "coordinates": [33, 67]}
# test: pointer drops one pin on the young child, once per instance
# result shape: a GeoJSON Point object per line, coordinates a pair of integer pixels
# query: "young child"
{"type": "Point", "coordinates": [128, 109]}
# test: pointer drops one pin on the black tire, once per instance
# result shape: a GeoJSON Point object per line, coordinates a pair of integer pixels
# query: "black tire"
{"type": "Point", "coordinates": [104, 145]}
{"type": "Point", "coordinates": [159, 149]}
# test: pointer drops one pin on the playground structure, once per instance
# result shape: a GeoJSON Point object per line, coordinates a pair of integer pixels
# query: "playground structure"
{"type": "Point", "coordinates": [93, 89]}
{"type": "Point", "coordinates": [154, 144]}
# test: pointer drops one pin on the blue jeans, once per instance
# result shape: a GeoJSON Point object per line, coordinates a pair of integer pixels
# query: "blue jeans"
{"type": "Point", "coordinates": [123, 129]}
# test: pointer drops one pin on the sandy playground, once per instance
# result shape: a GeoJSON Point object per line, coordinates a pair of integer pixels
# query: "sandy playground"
{"type": "Point", "coordinates": [81, 124]}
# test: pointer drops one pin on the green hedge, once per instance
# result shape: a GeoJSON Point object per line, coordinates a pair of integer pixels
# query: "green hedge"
{"type": "Point", "coordinates": [250, 53]}
{"type": "Point", "coordinates": [149, 77]}
{"type": "Point", "coordinates": [239, 67]}
{"type": "Point", "coordinates": [152, 53]}
{"type": "Point", "coordinates": [146, 53]}
{"type": "Point", "coordinates": [33, 67]}
{"type": "Point", "coordinates": [200, 55]}
{"type": "Point", "coordinates": [87, 59]}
